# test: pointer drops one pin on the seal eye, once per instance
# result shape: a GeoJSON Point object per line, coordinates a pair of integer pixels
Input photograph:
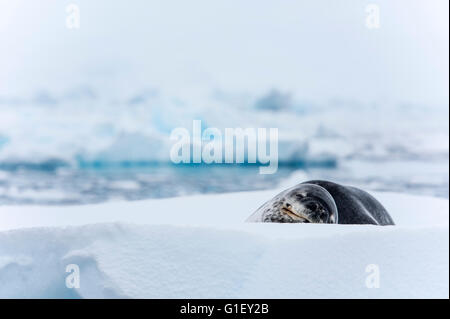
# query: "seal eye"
{"type": "Point", "coordinates": [322, 215]}
{"type": "Point", "coordinates": [312, 206]}
{"type": "Point", "coordinates": [288, 205]}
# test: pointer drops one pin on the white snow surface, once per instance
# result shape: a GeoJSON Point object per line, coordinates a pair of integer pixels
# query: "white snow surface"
{"type": "Point", "coordinates": [200, 247]}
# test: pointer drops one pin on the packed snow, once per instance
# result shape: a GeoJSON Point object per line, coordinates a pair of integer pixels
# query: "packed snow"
{"type": "Point", "coordinates": [200, 247]}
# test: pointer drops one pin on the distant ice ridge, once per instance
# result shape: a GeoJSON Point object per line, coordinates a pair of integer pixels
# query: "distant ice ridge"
{"type": "Point", "coordinates": [81, 127]}
{"type": "Point", "coordinates": [131, 250]}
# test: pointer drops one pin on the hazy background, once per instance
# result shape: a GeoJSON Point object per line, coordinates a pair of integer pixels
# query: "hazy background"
{"type": "Point", "coordinates": [86, 114]}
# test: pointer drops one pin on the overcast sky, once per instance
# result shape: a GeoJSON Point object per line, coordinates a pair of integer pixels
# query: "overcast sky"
{"type": "Point", "coordinates": [315, 49]}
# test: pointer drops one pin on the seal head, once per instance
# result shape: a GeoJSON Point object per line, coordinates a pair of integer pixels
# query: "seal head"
{"type": "Point", "coordinates": [304, 203]}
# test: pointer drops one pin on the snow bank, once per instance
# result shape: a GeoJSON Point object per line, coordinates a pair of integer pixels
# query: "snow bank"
{"type": "Point", "coordinates": [199, 246]}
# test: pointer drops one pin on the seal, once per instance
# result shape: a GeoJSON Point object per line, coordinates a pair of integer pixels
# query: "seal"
{"type": "Point", "coordinates": [325, 202]}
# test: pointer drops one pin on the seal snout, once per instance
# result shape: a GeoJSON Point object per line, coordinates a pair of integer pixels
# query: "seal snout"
{"type": "Point", "coordinates": [296, 215]}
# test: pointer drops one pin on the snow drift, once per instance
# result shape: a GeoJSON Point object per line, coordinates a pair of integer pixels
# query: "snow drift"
{"type": "Point", "coordinates": [199, 247]}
